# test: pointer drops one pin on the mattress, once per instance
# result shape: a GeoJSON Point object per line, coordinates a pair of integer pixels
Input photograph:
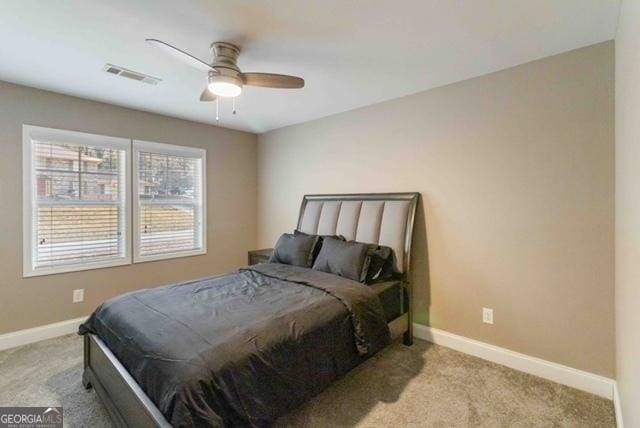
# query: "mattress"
{"type": "Point", "coordinates": [390, 295]}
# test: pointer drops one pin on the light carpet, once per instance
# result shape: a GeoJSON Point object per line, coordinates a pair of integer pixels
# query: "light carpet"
{"type": "Point", "coordinates": [420, 386]}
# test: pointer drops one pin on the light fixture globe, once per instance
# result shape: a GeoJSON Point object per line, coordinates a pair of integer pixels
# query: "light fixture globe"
{"type": "Point", "coordinates": [225, 85]}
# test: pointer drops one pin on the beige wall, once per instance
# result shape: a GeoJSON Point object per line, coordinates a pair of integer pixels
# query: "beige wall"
{"type": "Point", "coordinates": [628, 211]}
{"type": "Point", "coordinates": [516, 174]}
{"type": "Point", "coordinates": [231, 175]}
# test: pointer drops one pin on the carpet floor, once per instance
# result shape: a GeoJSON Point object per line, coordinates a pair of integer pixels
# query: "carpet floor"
{"type": "Point", "coordinates": [424, 385]}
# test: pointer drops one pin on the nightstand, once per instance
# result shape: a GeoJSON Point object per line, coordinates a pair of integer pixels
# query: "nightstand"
{"type": "Point", "coordinates": [260, 256]}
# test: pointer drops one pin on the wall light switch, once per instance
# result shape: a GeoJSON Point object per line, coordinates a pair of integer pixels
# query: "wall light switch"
{"type": "Point", "coordinates": [78, 295]}
{"type": "Point", "coordinates": [487, 315]}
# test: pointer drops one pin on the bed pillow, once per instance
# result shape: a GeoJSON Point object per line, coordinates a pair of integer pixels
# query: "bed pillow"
{"type": "Point", "coordinates": [342, 258]}
{"type": "Point", "coordinates": [294, 250]}
{"type": "Point", "coordinates": [379, 264]}
{"type": "Point", "coordinates": [318, 246]}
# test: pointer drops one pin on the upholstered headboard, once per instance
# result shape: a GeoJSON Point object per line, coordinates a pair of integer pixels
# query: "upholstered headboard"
{"type": "Point", "coordinates": [373, 218]}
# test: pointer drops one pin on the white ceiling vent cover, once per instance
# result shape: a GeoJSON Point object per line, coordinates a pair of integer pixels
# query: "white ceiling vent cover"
{"type": "Point", "coordinates": [130, 74]}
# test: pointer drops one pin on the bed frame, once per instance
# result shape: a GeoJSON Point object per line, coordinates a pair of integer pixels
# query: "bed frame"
{"type": "Point", "coordinates": [380, 218]}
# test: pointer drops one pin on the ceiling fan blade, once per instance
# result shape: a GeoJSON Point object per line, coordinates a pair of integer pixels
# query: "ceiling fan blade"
{"type": "Point", "coordinates": [207, 95]}
{"type": "Point", "coordinates": [269, 80]}
{"type": "Point", "coordinates": [180, 54]}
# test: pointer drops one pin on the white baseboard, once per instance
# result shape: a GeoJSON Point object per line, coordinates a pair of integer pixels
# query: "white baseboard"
{"type": "Point", "coordinates": [585, 381]}
{"type": "Point", "coordinates": [36, 334]}
{"type": "Point", "coordinates": [617, 405]}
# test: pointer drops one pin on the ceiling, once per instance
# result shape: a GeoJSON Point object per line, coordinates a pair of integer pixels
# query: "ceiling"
{"type": "Point", "coordinates": [351, 53]}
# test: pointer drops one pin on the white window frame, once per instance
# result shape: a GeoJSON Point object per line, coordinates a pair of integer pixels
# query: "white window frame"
{"type": "Point", "coordinates": [167, 149]}
{"type": "Point", "coordinates": [30, 132]}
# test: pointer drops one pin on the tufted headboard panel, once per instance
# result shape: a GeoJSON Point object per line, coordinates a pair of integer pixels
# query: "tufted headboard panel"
{"type": "Point", "coordinates": [373, 218]}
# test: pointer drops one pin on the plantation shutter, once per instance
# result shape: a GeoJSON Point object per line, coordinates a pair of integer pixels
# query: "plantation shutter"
{"type": "Point", "coordinates": [77, 195]}
{"type": "Point", "coordinates": [168, 193]}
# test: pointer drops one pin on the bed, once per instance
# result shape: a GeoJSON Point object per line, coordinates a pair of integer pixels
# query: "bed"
{"type": "Point", "coordinates": [243, 348]}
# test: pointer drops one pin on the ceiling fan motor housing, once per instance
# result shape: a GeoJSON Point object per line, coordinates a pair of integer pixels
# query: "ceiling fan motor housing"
{"type": "Point", "coordinates": [225, 70]}
{"type": "Point", "coordinates": [225, 55]}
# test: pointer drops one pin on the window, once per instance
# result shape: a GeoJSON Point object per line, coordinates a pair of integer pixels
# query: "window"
{"type": "Point", "coordinates": [169, 201]}
{"type": "Point", "coordinates": [79, 196]}
{"type": "Point", "coordinates": [69, 224]}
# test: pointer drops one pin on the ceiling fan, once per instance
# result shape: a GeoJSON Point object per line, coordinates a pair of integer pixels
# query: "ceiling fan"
{"type": "Point", "coordinates": [225, 77]}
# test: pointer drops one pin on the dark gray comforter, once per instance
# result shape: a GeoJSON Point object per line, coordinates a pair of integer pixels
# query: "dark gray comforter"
{"type": "Point", "coordinates": [241, 349]}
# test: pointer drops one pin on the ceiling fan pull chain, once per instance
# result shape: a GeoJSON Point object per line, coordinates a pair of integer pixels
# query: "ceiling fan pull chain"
{"type": "Point", "coordinates": [217, 115]}
{"type": "Point", "coordinates": [234, 105]}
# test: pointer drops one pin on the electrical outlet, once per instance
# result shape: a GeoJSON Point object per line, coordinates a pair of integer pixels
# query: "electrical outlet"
{"type": "Point", "coordinates": [78, 295]}
{"type": "Point", "coordinates": [487, 315]}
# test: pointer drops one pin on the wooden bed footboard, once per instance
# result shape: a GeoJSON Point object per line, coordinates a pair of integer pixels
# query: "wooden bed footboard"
{"type": "Point", "coordinates": [122, 397]}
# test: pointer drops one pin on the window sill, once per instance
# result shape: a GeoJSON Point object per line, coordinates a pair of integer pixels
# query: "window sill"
{"type": "Point", "coordinates": [156, 257]}
{"type": "Point", "coordinates": [28, 273]}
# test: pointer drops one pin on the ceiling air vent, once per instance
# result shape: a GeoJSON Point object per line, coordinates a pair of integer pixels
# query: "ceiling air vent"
{"type": "Point", "coordinates": [130, 74]}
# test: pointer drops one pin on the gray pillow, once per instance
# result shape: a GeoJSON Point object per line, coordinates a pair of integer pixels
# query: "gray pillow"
{"type": "Point", "coordinates": [318, 247]}
{"type": "Point", "coordinates": [294, 250]}
{"type": "Point", "coordinates": [342, 258]}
